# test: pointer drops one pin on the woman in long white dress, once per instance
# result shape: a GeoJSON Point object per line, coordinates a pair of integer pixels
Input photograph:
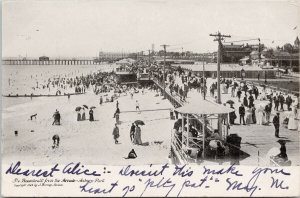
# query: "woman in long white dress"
{"type": "Point", "coordinates": [263, 95]}
{"type": "Point", "coordinates": [223, 88]}
{"type": "Point", "coordinates": [248, 116]}
{"type": "Point", "coordinates": [260, 116]}
{"type": "Point", "coordinates": [137, 136]}
{"type": "Point", "coordinates": [295, 101]}
{"type": "Point", "coordinates": [293, 122]}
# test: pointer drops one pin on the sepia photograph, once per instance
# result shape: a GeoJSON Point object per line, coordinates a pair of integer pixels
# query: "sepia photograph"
{"type": "Point", "coordinates": [150, 82]}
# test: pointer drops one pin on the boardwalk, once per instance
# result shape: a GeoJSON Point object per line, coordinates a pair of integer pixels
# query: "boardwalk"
{"type": "Point", "coordinates": [257, 140]}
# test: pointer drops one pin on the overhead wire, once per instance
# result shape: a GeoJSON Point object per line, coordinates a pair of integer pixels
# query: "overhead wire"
{"type": "Point", "coordinates": [240, 40]}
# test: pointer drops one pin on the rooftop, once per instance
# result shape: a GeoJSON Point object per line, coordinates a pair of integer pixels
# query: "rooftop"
{"type": "Point", "coordinates": [224, 67]}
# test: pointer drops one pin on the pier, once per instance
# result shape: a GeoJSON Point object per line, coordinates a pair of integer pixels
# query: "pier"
{"type": "Point", "coordinates": [50, 62]}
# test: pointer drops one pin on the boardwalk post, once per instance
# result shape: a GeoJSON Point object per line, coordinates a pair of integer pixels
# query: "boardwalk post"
{"type": "Point", "coordinates": [203, 79]}
{"type": "Point", "coordinates": [203, 136]}
{"type": "Point", "coordinates": [258, 157]}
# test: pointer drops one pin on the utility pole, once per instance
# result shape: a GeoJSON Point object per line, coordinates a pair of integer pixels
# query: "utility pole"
{"type": "Point", "coordinates": [219, 37]}
{"type": "Point", "coordinates": [259, 52]}
{"type": "Point", "coordinates": [149, 57]}
{"type": "Point", "coordinates": [164, 83]}
{"type": "Point", "coordinates": [182, 52]}
{"type": "Point", "coordinates": [204, 83]}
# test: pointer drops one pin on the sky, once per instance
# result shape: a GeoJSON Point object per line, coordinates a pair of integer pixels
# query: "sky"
{"type": "Point", "coordinates": [82, 28]}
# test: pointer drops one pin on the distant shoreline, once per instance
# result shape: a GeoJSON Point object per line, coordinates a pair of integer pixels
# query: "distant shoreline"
{"type": "Point", "coordinates": [41, 95]}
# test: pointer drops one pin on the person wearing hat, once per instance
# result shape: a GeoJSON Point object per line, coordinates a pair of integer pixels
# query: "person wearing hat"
{"type": "Point", "coordinates": [116, 133]}
{"type": "Point", "coordinates": [282, 153]}
{"type": "Point", "coordinates": [56, 117]}
{"type": "Point", "coordinates": [132, 154]}
{"type": "Point", "coordinates": [276, 124]}
{"type": "Point", "coordinates": [91, 113]}
{"type": "Point", "coordinates": [55, 139]}
{"type": "Point", "coordinates": [242, 114]}
{"type": "Point", "coordinates": [132, 131]}
{"type": "Point", "coordinates": [281, 100]}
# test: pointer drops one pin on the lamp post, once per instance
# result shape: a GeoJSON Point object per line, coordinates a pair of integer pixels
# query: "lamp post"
{"type": "Point", "coordinates": [265, 77]}
{"type": "Point", "coordinates": [203, 77]}
{"type": "Point", "coordinates": [243, 74]}
{"type": "Point", "coordinates": [164, 80]}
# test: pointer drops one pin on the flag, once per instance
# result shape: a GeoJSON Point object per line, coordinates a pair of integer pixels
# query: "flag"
{"type": "Point", "coordinates": [295, 28]}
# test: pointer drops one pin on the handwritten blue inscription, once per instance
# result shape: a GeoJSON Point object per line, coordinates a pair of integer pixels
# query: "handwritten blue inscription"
{"type": "Point", "coordinates": [16, 170]}
{"type": "Point", "coordinates": [87, 189]}
{"type": "Point", "coordinates": [190, 184]}
{"type": "Point", "coordinates": [162, 183]}
{"type": "Point", "coordinates": [181, 171]}
{"type": "Point", "coordinates": [157, 180]}
{"type": "Point", "coordinates": [71, 168]}
{"type": "Point", "coordinates": [276, 183]}
{"type": "Point", "coordinates": [128, 189]}
{"type": "Point", "coordinates": [251, 185]}
{"type": "Point", "coordinates": [128, 171]}
{"type": "Point", "coordinates": [181, 177]}
{"type": "Point", "coordinates": [231, 170]}
{"type": "Point", "coordinates": [78, 169]}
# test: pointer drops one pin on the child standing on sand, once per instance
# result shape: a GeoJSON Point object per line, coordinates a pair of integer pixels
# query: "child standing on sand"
{"type": "Point", "coordinates": [137, 106]}
{"type": "Point", "coordinates": [116, 133]}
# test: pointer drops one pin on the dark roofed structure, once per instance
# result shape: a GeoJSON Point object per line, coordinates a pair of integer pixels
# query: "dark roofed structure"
{"type": "Point", "coordinates": [44, 58]}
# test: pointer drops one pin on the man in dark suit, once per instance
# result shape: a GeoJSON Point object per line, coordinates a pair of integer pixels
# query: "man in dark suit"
{"type": "Point", "coordinates": [289, 101]}
{"type": "Point", "coordinates": [242, 114]}
{"type": "Point", "coordinates": [281, 100]}
{"type": "Point", "coordinates": [276, 102]}
{"type": "Point", "coordinates": [276, 124]}
{"type": "Point", "coordinates": [132, 130]}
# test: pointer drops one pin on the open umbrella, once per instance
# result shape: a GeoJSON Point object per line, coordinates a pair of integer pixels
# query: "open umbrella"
{"type": "Point", "coordinates": [139, 122]}
{"type": "Point", "coordinates": [262, 85]}
{"type": "Point", "coordinates": [230, 102]}
{"type": "Point", "coordinates": [78, 109]}
{"type": "Point", "coordinates": [92, 107]}
{"type": "Point", "coordinates": [283, 141]}
{"type": "Point", "coordinates": [85, 106]}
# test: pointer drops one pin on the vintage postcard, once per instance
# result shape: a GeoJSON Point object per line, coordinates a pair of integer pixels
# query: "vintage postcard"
{"type": "Point", "coordinates": [150, 98]}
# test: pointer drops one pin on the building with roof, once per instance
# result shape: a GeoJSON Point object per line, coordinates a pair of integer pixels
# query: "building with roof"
{"type": "Point", "coordinates": [112, 56]}
{"type": "Point", "coordinates": [228, 70]}
{"type": "Point", "coordinates": [44, 58]}
{"type": "Point", "coordinates": [234, 53]}
{"type": "Point", "coordinates": [284, 60]}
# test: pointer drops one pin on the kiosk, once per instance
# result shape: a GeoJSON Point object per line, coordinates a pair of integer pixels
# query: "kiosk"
{"type": "Point", "coordinates": [200, 123]}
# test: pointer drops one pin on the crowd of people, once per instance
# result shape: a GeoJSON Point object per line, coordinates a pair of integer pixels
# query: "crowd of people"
{"type": "Point", "coordinates": [256, 103]}
{"type": "Point", "coordinates": [180, 83]}
{"type": "Point", "coordinates": [266, 103]}
{"type": "Point", "coordinates": [260, 113]}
